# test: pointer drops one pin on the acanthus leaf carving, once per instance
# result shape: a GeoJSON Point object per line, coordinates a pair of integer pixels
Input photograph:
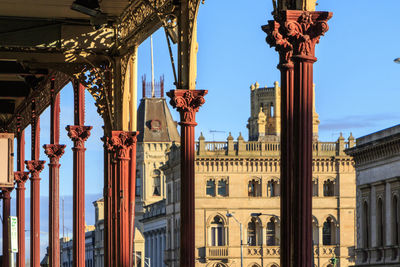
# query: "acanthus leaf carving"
{"type": "Point", "coordinates": [54, 152]}
{"type": "Point", "coordinates": [35, 167]}
{"type": "Point", "coordinates": [121, 142]}
{"type": "Point", "coordinates": [78, 134]}
{"type": "Point", "coordinates": [20, 177]}
{"type": "Point", "coordinates": [187, 103]}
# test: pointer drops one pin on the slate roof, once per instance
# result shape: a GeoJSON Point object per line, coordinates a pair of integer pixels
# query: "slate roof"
{"type": "Point", "coordinates": [155, 122]}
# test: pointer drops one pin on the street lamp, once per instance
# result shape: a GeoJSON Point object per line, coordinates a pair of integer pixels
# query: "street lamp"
{"type": "Point", "coordinates": [230, 215]}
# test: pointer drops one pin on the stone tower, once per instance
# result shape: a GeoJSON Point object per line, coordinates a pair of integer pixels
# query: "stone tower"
{"type": "Point", "coordinates": [264, 123]}
{"type": "Point", "coordinates": [157, 132]}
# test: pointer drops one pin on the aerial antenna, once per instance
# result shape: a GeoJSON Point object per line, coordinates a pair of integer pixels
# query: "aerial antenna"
{"type": "Point", "coordinates": [152, 67]}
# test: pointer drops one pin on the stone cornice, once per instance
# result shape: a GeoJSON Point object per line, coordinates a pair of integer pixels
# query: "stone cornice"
{"type": "Point", "coordinates": [376, 150]}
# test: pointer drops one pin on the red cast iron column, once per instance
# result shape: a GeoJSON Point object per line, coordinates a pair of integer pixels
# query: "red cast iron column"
{"type": "Point", "coordinates": [132, 199]}
{"type": "Point", "coordinates": [5, 195]}
{"type": "Point", "coordinates": [108, 218]}
{"type": "Point", "coordinates": [35, 166]}
{"type": "Point", "coordinates": [54, 151]}
{"type": "Point", "coordinates": [79, 134]}
{"type": "Point", "coordinates": [121, 143]}
{"type": "Point", "coordinates": [187, 102]}
{"type": "Point", "coordinates": [294, 34]}
{"type": "Point", "coordinates": [20, 178]}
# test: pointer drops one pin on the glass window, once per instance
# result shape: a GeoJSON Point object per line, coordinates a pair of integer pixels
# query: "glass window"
{"type": "Point", "coordinates": [156, 183]}
{"type": "Point", "coordinates": [328, 233]}
{"type": "Point", "coordinates": [254, 188]}
{"type": "Point", "coordinates": [210, 190]}
{"type": "Point", "coordinates": [329, 188]}
{"type": "Point", "coordinates": [138, 189]}
{"type": "Point", "coordinates": [253, 233]}
{"type": "Point", "coordinates": [222, 188]}
{"type": "Point", "coordinates": [271, 233]}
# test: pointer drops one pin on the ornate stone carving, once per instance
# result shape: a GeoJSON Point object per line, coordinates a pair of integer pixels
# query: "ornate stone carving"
{"type": "Point", "coordinates": [54, 152]}
{"type": "Point", "coordinates": [295, 33]}
{"type": "Point", "coordinates": [187, 103]}
{"type": "Point", "coordinates": [78, 134]}
{"type": "Point", "coordinates": [5, 192]}
{"type": "Point", "coordinates": [35, 167]}
{"type": "Point", "coordinates": [121, 143]}
{"type": "Point", "coordinates": [21, 177]}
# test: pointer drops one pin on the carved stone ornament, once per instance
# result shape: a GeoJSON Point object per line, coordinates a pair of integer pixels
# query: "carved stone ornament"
{"type": "Point", "coordinates": [187, 103]}
{"type": "Point", "coordinates": [121, 143]}
{"type": "Point", "coordinates": [35, 167]}
{"type": "Point", "coordinates": [296, 32]}
{"type": "Point", "coordinates": [54, 152]}
{"type": "Point", "coordinates": [78, 134]}
{"type": "Point", "coordinates": [20, 177]}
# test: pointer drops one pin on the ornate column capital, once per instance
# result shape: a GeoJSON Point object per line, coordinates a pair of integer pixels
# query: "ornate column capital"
{"type": "Point", "coordinates": [78, 134]}
{"type": "Point", "coordinates": [6, 192]}
{"type": "Point", "coordinates": [121, 143]}
{"type": "Point", "coordinates": [294, 33]}
{"type": "Point", "coordinates": [20, 177]}
{"type": "Point", "coordinates": [187, 103]}
{"type": "Point", "coordinates": [54, 152]}
{"type": "Point", "coordinates": [35, 167]}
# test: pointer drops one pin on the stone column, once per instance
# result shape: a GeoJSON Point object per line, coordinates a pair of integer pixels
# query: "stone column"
{"type": "Point", "coordinates": [5, 195]}
{"type": "Point", "coordinates": [35, 166]}
{"type": "Point", "coordinates": [120, 144]}
{"type": "Point", "coordinates": [54, 151]}
{"type": "Point", "coordinates": [294, 34]}
{"type": "Point", "coordinates": [79, 134]}
{"type": "Point", "coordinates": [187, 102]}
{"type": "Point", "coordinates": [132, 199]}
{"type": "Point", "coordinates": [108, 217]}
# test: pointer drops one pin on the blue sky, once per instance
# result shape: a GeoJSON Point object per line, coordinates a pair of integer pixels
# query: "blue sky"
{"type": "Point", "coordinates": [357, 83]}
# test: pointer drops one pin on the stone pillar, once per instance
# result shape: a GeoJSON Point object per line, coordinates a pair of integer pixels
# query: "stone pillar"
{"type": "Point", "coordinates": [5, 195]}
{"type": "Point", "coordinates": [79, 134]}
{"type": "Point", "coordinates": [108, 233]}
{"type": "Point", "coordinates": [35, 166]}
{"type": "Point", "coordinates": [294, 34]}
{"type": "Point", "coordinates": [120, 144]}
{"type": "Point", "coordinates": [132, 199]}
{"type": "Point", "coordinates": [54, 151]}
{"type": "Point", "coordinates": [187, 102]}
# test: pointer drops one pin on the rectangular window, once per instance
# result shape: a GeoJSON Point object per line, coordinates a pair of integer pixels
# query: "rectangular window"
{"type": "Point", "coordinates": [210, 188]}
{"type": "Point", "coordinates": [138, 186]}
{"type": "Point", "coordinates": [222, 188]}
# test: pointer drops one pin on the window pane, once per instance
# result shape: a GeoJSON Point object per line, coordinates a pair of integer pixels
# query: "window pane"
{"type": "Point", "coordinates": [210, 189]}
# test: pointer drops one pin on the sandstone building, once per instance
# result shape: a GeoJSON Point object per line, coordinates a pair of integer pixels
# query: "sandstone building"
{"type": "Point", "coordinates": [377, 158]}
{"type": "Point", "coordinates": [243, 177]}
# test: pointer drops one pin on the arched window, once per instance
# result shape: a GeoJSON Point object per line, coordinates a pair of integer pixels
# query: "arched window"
{"type": "Point", "coordinates": [254, 188]}
{"type": "Point", "coordinates": [329, 188]}
{"type": "Point", "coordinates": [273, 232]}
{"type": "Point", "coordinates": [210, 190]}
{"type": "Point", "coordinates": [328, 232]}
{"type": "Point", "coordinates": [254, 233]}
{"type": "Point", "coordinates": [273, 189]}
{"type": "Point", "coordinates": [395, 221]}
{"type": "Point", "coordinates": [315, 231]}
{"type": "Point", "coordinates": [217, 232]}
{"type": "Point", "coordinates": [365, 225]}
{"type": "Point", "coordinates": [223, 187]}
{"type": "Point", "coordinates": [315, 187]}
{"type": "Point", "coordinates": [380, 223]}
{"type": "Point", "coordinates": [156, 183]}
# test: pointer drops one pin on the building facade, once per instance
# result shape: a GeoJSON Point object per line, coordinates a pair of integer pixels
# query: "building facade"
{"type": "Point", "coordinates": [155, 234]}
{"type": "Point", "coordinates": [157, 132]}
{"type": "Point", "coordinates": [242, 178]}
{"type": "Point", "coordinates": [377, 158]}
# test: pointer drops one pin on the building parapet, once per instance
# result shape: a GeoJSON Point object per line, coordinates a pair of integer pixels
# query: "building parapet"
{"type": "Point", "coordinates": [153, 210]}
{"type": "Point", "coordinates": [269, 148]}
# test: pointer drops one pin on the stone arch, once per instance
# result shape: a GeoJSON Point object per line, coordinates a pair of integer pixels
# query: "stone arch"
{"type": "Point", "coordinates": [253, 264]}
{"type": "Point", "coordinates": [213, 215]}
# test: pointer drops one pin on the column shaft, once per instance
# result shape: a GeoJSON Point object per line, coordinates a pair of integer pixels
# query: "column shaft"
{"type": "Point", "coordinates": [108, 237]}
{"type": "Point", "coordinates": [187, 102]}
{"type": "Point", "coordinates": [5, 194]}
{"type": "Point", "coordinates": [79, 134]}
{"type": "Point", "coordinates": [120, 144]}
{"type": "Point", "coordinates": [295, 33]}
{"type": "Point", "coordinates": [20, 179]}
